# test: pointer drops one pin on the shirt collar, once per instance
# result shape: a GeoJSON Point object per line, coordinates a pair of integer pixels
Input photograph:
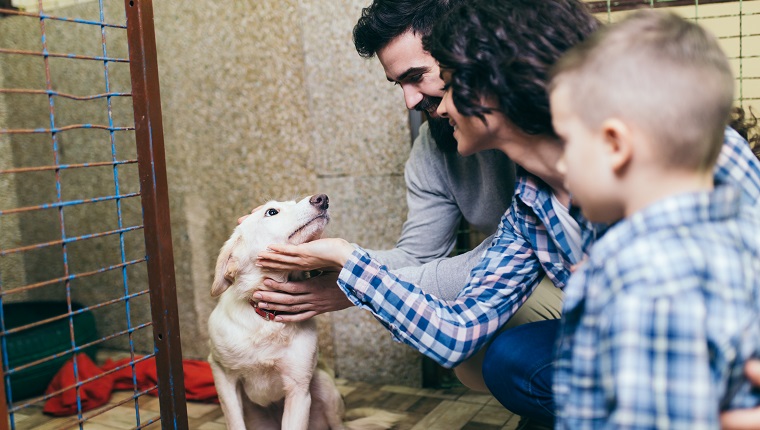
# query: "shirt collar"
{"type": "Point", "coordinates": [536, 194]}
{"type": "Point", "coordinates": [678, 211]}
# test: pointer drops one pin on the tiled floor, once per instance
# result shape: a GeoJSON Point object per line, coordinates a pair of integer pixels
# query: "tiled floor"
{"type": "Point", "coordinates": [424, 409]}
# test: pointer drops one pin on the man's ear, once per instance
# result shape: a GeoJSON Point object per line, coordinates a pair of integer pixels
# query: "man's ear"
{"type": "Point", "coordinates": [618, 142]}
{"type": "Point", "coordinates": [226, 268]}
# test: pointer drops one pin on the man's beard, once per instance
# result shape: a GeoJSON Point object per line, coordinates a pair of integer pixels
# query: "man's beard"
{"type": "Point", "coordinates": [440, 129]}
{"type": "Point", "coordinates": [443, 134]}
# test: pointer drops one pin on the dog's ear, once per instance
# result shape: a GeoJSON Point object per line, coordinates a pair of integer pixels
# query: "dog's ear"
{"type": "Point", "coordinates": [226, 268]}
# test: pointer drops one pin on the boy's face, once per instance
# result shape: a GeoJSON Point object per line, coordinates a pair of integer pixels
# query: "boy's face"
{"type": "Point", "coordinates": [588, 175]}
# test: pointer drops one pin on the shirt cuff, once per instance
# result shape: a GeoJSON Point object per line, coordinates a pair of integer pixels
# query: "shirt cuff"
{"type": "Point", "coordinates": [357, 280]}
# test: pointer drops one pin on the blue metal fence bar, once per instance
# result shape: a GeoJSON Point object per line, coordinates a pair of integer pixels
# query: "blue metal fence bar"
{"type": "Point", "coordinates": [59, 94]}
{"type": "Point", "coordinates": [147, 423]}
{"type": "Point", "coordinates": [146, 100]}
{"type": "Point", "coordinates": [59, 197]}
{"type": "Point", "coordinates": [105, 409]}
{"type": "Point", "coordinates": [63, 204]}
{"type": "Point", "coordinates": [74, 313]}
{"type": "Point", "coordinates": [67, 278]}
{"type": "Point", "coordinates": [74, 351]}
{"type": "Point", "coordinates": [59, 18]}
{"type": "Point", "coordinates": [78, 349]}
{"type": "Point", "coordinates": [60, 129]}
{"type": "Point", "coordinates": [65, 166]}
{"type": "Point", "coordinates": [45, 54]}
{"type": "Point", "coordinates": [117, 191]}
{"type": "Point", "coordinates": [121, 231]}
{"type": "Point", "coordinates": [80, 421]}
{"type": "Point", "coordinates": [5, 381]}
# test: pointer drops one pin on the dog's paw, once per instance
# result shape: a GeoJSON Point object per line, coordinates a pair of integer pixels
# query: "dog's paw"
{"type": "Point", "coordinates": [372, 419]}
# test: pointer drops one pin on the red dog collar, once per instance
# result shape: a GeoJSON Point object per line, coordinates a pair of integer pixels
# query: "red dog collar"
{"type": "Point", "coordinates": [263, 313]}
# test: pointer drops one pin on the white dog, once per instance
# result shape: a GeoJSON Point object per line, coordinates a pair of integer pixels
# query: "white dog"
{"type": "Point", "coordinates": [265, 371]}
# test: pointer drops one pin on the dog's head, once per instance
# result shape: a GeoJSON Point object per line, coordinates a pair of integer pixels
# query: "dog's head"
{"type": "Point", "coordinates": [274, 222]}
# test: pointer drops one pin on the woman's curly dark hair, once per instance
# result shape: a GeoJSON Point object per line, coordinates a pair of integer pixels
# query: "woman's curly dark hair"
{"type": "Point", "coordinates": [504, 49]}
{"type": "Point", "coordinates": [746, 124]}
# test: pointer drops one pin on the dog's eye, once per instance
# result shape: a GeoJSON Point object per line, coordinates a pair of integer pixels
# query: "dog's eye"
{"type": "Point", "coordinates": [271, 212]}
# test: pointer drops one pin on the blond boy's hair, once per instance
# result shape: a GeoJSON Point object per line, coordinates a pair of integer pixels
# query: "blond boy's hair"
{"type": "Point", "coordinates": [666, 75]}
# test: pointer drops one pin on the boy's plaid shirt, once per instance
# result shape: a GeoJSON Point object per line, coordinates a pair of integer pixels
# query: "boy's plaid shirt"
{"type": "Point", "coordinates": [658, 323]}
{"type": "Point", "coordinates": [530, 242]}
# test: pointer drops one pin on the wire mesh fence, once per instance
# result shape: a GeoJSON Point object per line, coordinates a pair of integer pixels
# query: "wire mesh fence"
{"type": "Point", "coordinates": [86, 269]}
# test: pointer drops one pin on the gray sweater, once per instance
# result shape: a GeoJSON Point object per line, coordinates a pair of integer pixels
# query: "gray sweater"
{"type": "Point", "coordinates": [441, 189]}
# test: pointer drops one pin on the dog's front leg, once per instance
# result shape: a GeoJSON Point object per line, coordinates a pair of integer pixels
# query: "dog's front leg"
{"type": "Point", "coordinates": [230, 397]}
{"type": "Point", "coordinates": [297, 405]}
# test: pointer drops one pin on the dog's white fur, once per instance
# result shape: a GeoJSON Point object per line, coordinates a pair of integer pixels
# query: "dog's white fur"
{"type": "Point", "coordinates": [265, 371]}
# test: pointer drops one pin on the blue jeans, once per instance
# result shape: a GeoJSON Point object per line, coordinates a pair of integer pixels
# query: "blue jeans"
{"type": "Point", "coordinates": [518, 369]}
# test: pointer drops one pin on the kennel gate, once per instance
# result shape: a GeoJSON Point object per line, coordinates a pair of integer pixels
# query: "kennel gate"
{"type": "Point", "coordinates": [154, 256]}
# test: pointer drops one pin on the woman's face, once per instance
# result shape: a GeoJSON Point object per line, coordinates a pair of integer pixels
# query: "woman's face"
{"type": "Point", "coordinates": [472, 134]}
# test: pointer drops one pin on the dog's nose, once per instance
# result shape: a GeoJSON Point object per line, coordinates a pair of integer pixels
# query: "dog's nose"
{"type": "Point", "coordinates": [320, 201]}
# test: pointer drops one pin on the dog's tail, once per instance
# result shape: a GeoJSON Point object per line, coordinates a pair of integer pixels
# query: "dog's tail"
{"type": "Point", "coordinates": [372, 419]}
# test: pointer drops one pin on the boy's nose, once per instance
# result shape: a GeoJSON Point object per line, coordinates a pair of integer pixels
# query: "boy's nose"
{"type": "Point", "coordinates": [561, 167]}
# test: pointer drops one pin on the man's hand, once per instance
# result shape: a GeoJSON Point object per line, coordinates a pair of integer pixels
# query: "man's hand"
{"type": "Point", "coordinates": [744, 419]}
{"type": "Point", "coordinates": [302, 300]}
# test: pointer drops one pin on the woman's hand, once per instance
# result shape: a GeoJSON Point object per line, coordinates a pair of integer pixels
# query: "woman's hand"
{"type": "Point", "coordinates": [329, 254]}
{"type": "Point", "coordinates": [744, 419]}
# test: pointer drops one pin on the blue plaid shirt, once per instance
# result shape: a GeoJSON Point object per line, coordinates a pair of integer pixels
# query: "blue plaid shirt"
{"type": "Point", "coordinates": [529, 243]}
{"type": "Point", "coordinates": [658, 323]}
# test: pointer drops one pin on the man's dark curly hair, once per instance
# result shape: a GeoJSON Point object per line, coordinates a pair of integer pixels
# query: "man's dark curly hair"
{"type": "Point", "coordinates": [504, 49]}
{"type": "Point", "coordinates": [384, 20]}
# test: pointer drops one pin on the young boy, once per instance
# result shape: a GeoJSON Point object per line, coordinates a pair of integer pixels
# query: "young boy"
{"type": "Point", "coordinates": [659, 321]}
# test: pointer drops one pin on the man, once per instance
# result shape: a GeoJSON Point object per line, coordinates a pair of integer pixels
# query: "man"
{"type": "Point", "coordinates": [442, 186]}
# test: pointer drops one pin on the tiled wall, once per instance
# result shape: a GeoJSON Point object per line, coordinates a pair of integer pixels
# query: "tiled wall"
{"type": "Point", "coordinates": [725, 20]}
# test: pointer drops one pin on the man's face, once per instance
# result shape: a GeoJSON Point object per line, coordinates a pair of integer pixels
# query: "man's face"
{"type": "Point", "coordinates": [407, 64]}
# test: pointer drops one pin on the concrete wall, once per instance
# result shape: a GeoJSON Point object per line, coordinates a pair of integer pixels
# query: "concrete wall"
{"type": "Point", "coordinates": [9, 227]}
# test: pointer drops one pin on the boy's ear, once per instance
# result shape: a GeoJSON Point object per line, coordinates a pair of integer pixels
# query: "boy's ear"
{"type": "Point", "coordinates": [618, 141]}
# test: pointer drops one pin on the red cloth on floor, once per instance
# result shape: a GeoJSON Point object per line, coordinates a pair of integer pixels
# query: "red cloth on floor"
{"type": "Point", "coordinates": [93, 394]}
{"type": "Point", "coordinates": [199, 383]}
